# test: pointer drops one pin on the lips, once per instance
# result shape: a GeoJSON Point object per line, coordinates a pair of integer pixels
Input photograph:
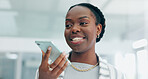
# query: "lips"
{"type": "Point", "coordinates": [77, 39]}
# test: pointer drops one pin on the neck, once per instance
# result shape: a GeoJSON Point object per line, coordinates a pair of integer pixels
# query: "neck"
{"type": "Point", "coordinates": [88, 57]}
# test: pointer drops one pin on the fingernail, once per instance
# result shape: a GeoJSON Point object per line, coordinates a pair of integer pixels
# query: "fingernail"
{"type": "Point", "coordinates": [49, 48]}
{"type": "Point", "coordinates": [67, 56]}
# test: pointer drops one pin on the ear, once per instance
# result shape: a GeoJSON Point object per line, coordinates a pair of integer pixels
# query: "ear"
{"type": "Point", "coordinates": [99, 29]}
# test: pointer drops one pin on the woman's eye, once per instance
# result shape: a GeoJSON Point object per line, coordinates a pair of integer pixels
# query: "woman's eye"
{"type": "Point", "coordinates": [67, 26]}
{"type": "Point", "coordinates": [83, 23]}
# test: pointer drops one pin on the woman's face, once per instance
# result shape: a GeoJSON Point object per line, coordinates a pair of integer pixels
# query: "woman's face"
{"type": "Point", "coordinates": [80, 29]}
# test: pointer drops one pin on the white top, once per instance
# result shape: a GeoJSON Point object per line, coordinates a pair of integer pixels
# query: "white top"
{"type": "Point", "coordinates": [103, 71]}
{"type": "Point", "coordinates": [71, 73]}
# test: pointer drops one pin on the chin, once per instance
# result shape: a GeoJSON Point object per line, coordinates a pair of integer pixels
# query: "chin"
{"type": "Point", "coordinates": [77, 52]}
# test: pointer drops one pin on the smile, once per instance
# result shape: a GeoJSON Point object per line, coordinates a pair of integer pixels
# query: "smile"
{"type": "Point", "coordinates": [77, 40]}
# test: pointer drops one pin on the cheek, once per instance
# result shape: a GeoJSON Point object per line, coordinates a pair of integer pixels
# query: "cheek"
{"type": "Point", "coordinates": [92, 35]}
{"type": "Point", "coordinates": [66, 33]}
{"type": "Point", "coordinates": [92, 32]}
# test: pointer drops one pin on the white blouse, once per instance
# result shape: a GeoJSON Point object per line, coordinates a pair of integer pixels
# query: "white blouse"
{"type": "Point", "coordinates": [102, 71]}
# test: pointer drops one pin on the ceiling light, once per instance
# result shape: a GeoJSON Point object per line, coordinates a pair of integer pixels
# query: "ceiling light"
{"type": "Point", "coordinates": [140, 43]}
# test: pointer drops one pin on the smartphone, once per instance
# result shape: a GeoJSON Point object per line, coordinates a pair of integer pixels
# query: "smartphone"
{"type": "Point", "coordinates": [55, 52]}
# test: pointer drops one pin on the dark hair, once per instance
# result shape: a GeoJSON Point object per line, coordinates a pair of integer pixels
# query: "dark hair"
{"type": "Point", "coordinates": [98, 14]}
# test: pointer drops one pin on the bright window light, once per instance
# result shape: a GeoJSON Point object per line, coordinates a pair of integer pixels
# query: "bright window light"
{"type": "Point", "coordinates": [142, 57]}
{"type": "Point", "coordinates": [140, 43]}
{"type": "Point", "coordinates": [126, 64]}
{"type": "Point", "coordinates": [11, 56]}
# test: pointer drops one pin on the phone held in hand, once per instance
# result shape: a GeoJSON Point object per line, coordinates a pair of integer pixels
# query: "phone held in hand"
{"type": "Point", "coordinates": [55, 52]}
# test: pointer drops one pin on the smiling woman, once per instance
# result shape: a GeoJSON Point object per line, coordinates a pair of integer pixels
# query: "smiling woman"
{"type": "Point", "coordinates": [82, 31]}
{"type": "Point", "coordinates": [84, 27]}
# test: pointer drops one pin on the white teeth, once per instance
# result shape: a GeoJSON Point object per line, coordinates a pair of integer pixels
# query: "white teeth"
{"type": "Point", "coordinates": [76, 39]}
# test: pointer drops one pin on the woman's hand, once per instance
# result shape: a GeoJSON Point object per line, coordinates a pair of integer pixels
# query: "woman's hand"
{"type": "Point", "coordinates": [57, 66]}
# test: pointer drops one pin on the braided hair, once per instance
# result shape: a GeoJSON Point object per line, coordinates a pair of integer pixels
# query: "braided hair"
{"type": "Point", "coordinates": [98, 14]}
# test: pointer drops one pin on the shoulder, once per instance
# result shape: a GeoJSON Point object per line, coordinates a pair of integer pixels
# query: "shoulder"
{"type": "Point", "coordinates": [108, 70]}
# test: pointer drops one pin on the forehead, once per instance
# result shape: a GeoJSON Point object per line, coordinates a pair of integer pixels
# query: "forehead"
{"type": "Point", "coordinates": [79, 11]}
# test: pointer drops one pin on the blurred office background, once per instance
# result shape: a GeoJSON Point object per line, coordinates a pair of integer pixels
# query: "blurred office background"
{"type": "Point", "coordinates": [124, 44]}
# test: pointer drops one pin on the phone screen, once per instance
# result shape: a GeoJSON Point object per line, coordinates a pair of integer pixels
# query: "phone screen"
{"type": "Point", "coordinates": [55, 52]}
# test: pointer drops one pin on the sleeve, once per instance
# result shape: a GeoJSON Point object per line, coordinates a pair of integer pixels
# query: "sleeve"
{"type": "Point", "coordinates": [111, 71]}
{"type": "Point", "coordinates": [37, 74]}
{"type": "Point", "coordinates": [115, 74]}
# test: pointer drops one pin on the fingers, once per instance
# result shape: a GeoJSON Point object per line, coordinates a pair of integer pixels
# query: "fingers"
{"type": "Point", "coordinates": [58, 60]}
{"type": "Point", "coordinates": [60, 65]}
{"type": "Point", "coordinates": [57, 67]}
{"type": "Point", "coordinates": [47, 54]}
{"type": "Point", "coordinates": [62, 69]}
{"type": "Point", "coordinates": [43, 54]}
{"type": "Point", "coordinates": [45, 57]}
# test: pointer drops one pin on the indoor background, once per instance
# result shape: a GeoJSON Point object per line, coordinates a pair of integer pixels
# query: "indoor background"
{"type": "Point", "coordinates": [22, 22]}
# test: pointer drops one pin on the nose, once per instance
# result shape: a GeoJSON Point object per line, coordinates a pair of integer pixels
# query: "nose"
{"type": "Point", "coordinates": [75, 29]}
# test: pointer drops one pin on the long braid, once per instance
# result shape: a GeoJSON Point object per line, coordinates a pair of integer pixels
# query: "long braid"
{"type": "Point", "coordinates": [102, 22]}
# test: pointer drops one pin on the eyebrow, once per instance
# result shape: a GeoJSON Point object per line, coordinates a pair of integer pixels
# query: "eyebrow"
{"type": "Point", "coordinates": [83, 17]}
{"type": "Point", "coordinates": [78, 18]}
